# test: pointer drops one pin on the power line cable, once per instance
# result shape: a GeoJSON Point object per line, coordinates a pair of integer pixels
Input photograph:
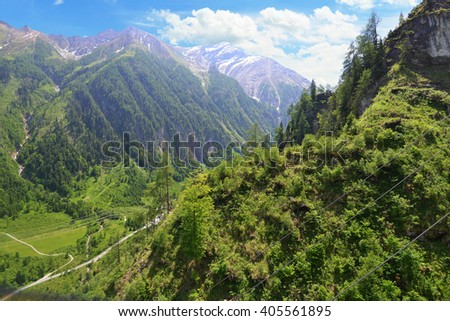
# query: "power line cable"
{"type": "Point", "coordinates": [389, 258]}
{"type": "Point", "coordinates": [343, 195]}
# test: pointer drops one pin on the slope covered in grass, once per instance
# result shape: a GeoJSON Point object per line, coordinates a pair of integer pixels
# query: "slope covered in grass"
{"type": "Point", "coordinates": [390, 184]}
{"type": "Point", "coordinates": [313, 222]}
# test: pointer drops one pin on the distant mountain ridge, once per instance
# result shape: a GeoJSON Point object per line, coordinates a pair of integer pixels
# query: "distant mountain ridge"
{"type": "Point", "coordinates": [80, 46]}
{"type": "Point", "coordinates": [129, 51]}
{"type": "Point", "coordinates": [91, 90]}
{"type": "Point", "coordinates": [262, 78]}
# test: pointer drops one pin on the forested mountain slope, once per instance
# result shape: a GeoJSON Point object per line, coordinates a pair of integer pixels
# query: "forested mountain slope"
{"type": "Point", "coordinates": [359, 213]}
{"type": "Point", "coordinates": [130, 83]}
{"type": "Point", "coordinates": [318, 220]}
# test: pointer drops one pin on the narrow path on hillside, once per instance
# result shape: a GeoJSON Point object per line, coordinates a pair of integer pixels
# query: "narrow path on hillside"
{"type": "Point", "coordinates": [40, 253]}
{"type": "Point", "coordinates": [30, 246]}
{"type": "Point", "coordinates": [94, 260]}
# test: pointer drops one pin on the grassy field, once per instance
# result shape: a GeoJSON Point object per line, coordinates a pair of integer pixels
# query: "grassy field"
{"type": "Point", "coordinates": [48, 243]}
{"type": "Point", "coordinates": [129, 211]}
{"type": "Point", "coordinates": [28, 225]}
{"type": "Point", "coordinates": [55, 232]}
{"type": "Point", "coordinates": [47, 232]}
{"type": "Point", "coordinates": [8, 245]}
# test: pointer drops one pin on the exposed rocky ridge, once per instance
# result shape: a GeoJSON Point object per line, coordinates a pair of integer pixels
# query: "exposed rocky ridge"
{"type": "Point", "coordinates": [429, 7]}
{"type": "Point", "coordinates": [427, 30]}
{"type": "Point", "coordinates": [14, 40]}
{"type": "Point", "coordinates": [116, 40]}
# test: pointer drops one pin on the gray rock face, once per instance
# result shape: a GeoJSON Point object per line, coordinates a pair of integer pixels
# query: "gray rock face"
{"type": "Point", "coordinates": [261, 78]}
{"type": "Point", "coordinates": [427, 30]}
{"type": "Point", "coordinates": [439, 36]}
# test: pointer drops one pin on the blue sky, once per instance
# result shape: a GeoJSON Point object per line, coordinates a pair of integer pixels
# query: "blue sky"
{"type": "Point", "coordinates": [310, 37]}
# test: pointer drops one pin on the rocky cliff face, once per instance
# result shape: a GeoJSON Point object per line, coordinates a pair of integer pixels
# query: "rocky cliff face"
{"type": "Point", "coordinates": [438, 42]}
{"type": "Point", "coordinates": [427, 30]}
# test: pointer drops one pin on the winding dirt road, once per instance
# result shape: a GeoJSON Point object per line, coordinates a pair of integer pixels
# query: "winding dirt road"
{"type": "Point", "coordinates": [40, 253]}
{"type": "Point", "coordinates": [31, 246]}
{"type": "Point", "coordinates": [52, 276]}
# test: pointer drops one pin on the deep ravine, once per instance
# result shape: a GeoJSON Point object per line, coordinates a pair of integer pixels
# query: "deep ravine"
{"type": "Point", "coordinates": [15, 155]}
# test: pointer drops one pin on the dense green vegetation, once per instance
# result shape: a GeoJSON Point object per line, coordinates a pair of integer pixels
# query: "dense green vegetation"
{"type": "Point", "coordinates": [329, 210]}
{"type": "Point", "coordinates": [73, 107]}
{"type": "Point", "coordinates": [319, 111]}
{"type": "Point", "coordinates": [305, 115]}
{"type": "Point", "coordinates": [70, 109]}
{"type": "Point", "coordinates": [16, 271]}
{"type": "Point", "coordinates": [364, 68]}
{"type": "Point", "coordinates": [286, 229]}
{"type": "Point", "coordinates": [302, 221]}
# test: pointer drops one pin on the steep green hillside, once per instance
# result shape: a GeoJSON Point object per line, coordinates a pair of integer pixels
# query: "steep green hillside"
{"type": "Point", "coordinates": [294, 229]}
{"type": "Point", "coordinates": [56, 113]}
{"type": "Point", "coordinates": [335, 217]}
{"type": "Point", "coordinates": [361, 213]}
{"type": "Point", "coordinates": [155, 98]}
{"type": "Point", "coordinates": [304, 231]}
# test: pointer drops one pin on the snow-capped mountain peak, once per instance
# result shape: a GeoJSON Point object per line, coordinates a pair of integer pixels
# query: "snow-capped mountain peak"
{"type": "Point", "coordinates": [262, 78]}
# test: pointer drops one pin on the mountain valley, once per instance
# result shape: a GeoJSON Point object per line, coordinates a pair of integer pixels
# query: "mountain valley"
{"type": "Point", "coordinates": [350, 202]}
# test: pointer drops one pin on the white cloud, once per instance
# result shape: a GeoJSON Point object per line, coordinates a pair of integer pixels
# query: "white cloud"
{"type": "Point", "coordinates": [335, 26]}
{"type": "Point", "coordinates": [205, 26]}
{"type": "Point", "coordinates": [402, 3]}
{"type": "Point", "coordinates": [362, 4]}
{"type": "Point", "coordinates": [370, 4]}
{"type": "Point", "coordinates": [285, 19]}
{"type": "Point", "coordinates": [314, 45]}
{"type": "Point", "coordinates": [323, 25]}
{"type": "Point", "coordinates": [58, 2]}
{"type": "Point", "coordinates": [322, 61]}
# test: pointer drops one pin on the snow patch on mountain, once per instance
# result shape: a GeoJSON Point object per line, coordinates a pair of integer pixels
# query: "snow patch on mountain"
{"type": "Point", "coordinates": [262, 78]}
